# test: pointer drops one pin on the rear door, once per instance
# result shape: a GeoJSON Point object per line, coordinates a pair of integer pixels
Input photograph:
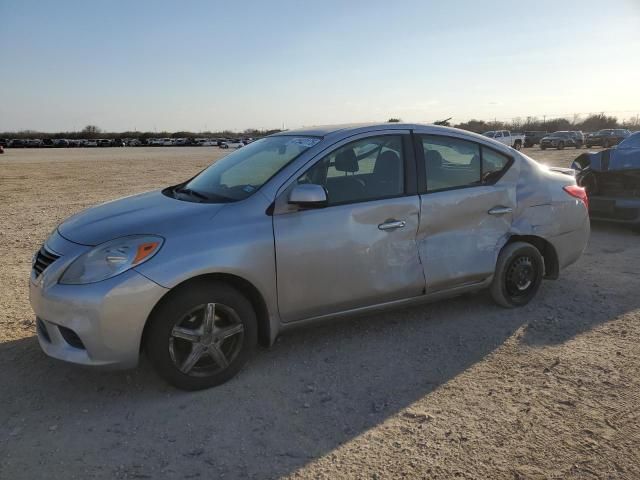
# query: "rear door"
{"type": "Point", "coordinates": [467, 203]}
{"type": "Point", "coordinates": [360, 249]}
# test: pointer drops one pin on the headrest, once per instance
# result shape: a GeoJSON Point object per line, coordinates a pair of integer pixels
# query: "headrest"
{"type": "Point", "coordinates": [387, 163]}
{"type": "Point", "coordinates": [346, 161]}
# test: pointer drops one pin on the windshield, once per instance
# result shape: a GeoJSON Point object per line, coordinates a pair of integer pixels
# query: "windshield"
{"type": "Point", "coordinates": [632, 141]}
{"type": "Point", "coordinates": [489, 134]}
{"type": "Point", "coordinates": [241, 173]}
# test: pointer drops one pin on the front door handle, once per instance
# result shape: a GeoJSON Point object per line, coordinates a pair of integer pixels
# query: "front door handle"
{"type": "Point", "coordinates": [500, 210]}
{"type": "Point", "coordinates": [392, 224]}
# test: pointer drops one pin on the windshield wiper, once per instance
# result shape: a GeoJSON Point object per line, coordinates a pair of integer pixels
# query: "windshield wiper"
{"type": "Point", "coordinates": [189, 191]}
{"type": "Point", "coordinates": [213, 197]}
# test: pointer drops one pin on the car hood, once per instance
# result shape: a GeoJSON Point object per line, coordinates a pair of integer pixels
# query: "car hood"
{"type": "Point", "coordinates": [145, 213]}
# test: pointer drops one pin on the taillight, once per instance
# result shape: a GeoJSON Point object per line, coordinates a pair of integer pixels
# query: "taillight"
{"type": "Point", "coordinates": [578, 192]}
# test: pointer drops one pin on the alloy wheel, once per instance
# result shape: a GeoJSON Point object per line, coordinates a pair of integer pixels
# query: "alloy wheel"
{"type": "Point", "coordinates": [206, 339]}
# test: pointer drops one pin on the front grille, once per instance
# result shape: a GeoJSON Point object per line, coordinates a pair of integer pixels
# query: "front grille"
{"type": "Point", "coordinates": [44, 258]}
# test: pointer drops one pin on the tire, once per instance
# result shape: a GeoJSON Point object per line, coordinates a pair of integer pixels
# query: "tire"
{"type": "Point", "coordinates": [605, 144]}
{"type": "Point", "coordinates": [519, 272]}
{"type": "Point", "coordinates": [542, 148]}
{"type": "Point", "coordinates": [177, 334]}
{"type": "Point", "coordinates": [560, 146]}
{"type": "Point", "coordinates": [518, 145]}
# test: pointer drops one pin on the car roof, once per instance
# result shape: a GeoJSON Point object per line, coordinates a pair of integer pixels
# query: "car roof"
{"type": "Point", "coordinates": [339, 132]}
{"type": "Point", "coordinates": [355, 128]}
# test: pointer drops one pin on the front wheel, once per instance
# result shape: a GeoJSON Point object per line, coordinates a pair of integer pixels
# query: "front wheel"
{"type": "Point", "coordinates": [518, 276]}
{"type": "Point", "coordinates": [560, 146]}
{"type": "Point", "coordinates": [201, 336]}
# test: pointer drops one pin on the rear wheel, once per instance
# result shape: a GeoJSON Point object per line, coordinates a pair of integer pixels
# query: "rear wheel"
{"type": "Point", "coordinates": [518, 145]}
{"type": "Point", "coordinates": [560, 146]}
{"type": "Point", "coordinates": [201, 336]}
{"type": "Point", "coordinates": [519, 272]}
{"type": "Point", "coordinates": [542, 147]}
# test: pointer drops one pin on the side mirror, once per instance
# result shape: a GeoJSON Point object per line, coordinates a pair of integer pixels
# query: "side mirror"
{"type": "Point", "coordinates": [309, 196]}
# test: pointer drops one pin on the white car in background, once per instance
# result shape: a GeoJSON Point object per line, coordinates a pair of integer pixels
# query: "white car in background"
{"type": "Point", "coordinates": [234, 144]}
{"type": "Point", "coordinates": [507, 138]}
{"type": "Point", "coordinates": [167, 142]}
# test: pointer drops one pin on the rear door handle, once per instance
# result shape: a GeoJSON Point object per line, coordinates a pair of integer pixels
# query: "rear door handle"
{"type": "Point", "coordinates": [500, 210]}
{"type": "Point", "coordinates": [392, 224]}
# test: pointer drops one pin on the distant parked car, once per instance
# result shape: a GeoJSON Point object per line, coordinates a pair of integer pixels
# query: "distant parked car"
{"type": "Point", "coordinates": [560, 140]}
{"type": "Point", "coordinates": [3, 142]}
{"type": "Point", "coordinates": [61, 143]}
{"type": "Point", "coordinates": [607, 137]}
{"type": "Point", "coordinates": [611, 178]}
{"type": "Point", "coordinates": [47, 142]}
{"type": "Point", "coordinates": [507, 138]}
{"type": "Point", "coordinates": [16, 143]}
{"type": "Point", "coordinates": [134, 142]}
{"type": "Point", "coordinates": [578, 137]}
{"type": "Point", "coordinates": [91, 143]}
{"type": "Point", "coordinates": [533, 137]}
{"type": "Point", "coordinates": [33, 143]}
{"type": "Point", "coordinates": [223, 144]}
{"type": "Point", "coordinates": [104, 142]}
{"type": "Point", "coordinates": [235, 144]}
{"type": "Point", "coordinates": [116, 142]}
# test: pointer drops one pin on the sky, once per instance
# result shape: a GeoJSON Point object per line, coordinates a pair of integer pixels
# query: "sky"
{"type": "Point", "coordinates": [207, 65]}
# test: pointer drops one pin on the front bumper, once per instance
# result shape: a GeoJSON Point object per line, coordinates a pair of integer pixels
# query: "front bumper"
{"type": "Point", "coordinates": [615, 209]}
{"type": "Point", "coordinates": [107, 317]}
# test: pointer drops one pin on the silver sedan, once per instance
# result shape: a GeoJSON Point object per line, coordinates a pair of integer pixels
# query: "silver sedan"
{"type": "Point", "coordinates": [295, 228]}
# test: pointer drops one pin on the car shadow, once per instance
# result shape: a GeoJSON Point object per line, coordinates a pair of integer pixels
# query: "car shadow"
{"type": "Point", "coordinates": [583, 298]}
{"type": "Point", "coordinates": [314, 390]}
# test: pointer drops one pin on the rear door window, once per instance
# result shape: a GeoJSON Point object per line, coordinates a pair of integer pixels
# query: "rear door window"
{"type": "Point", "coordinates": [451, 163]}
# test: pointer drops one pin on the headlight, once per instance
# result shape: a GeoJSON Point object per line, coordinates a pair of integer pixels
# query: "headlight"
{"type": "Point", "coordinates": [111, 258]}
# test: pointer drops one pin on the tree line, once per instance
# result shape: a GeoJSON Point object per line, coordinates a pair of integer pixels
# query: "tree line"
{"type": "Point", "coordinates": [590, 124]}
{"type": "Point", "coordinates": [93, 132]}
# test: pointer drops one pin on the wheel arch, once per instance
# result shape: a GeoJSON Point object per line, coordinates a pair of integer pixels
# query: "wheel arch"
{"type": "Point", "coordinates": [546, 249]}
{"type": "Point", "coordinates": [242, 285]}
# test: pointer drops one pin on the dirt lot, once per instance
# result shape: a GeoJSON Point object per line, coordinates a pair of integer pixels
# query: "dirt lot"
{"type": "Point", "coordinates": [460, 388]}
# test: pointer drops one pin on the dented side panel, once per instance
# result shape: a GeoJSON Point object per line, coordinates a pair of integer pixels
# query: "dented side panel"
{"type": "Point", "coordinates": [458, 239]}
{"type": "Point", "coordinates": [334, 259]}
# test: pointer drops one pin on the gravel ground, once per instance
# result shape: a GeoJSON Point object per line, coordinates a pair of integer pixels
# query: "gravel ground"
{"type": "Point", "coordinates": [459, 388]}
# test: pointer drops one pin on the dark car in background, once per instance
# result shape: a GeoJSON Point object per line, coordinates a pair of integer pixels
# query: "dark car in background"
{"type": "Point", "coordinates": [533, 137]}
{"type": "Point", "coordinates": [612, 180]}
{"type": "Point", "coordinates": [16, 143]}
{"type": "Point", "coordinates": [607, 138]}
{"type": "Point", "coordinates": [3, 142]}
{"type": "Point", "coordinates": [560, 140]}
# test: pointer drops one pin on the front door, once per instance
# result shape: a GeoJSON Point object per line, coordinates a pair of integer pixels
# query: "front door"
{"type": "Point", "coordinates": [360, 249]}
{"type": "Point", "coordinates": [467, 202]}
